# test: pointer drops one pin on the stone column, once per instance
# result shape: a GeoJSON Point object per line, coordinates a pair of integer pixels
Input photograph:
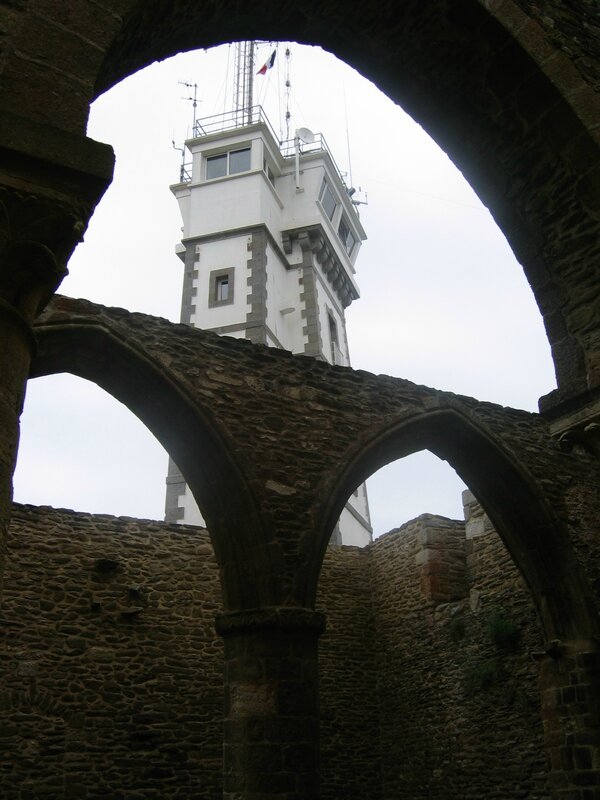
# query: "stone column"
{"type": "Point", "coordinates": [29, 273]}
{"type": "Point", "coordinates": [50, 182]}
{"type": "Point", "coordinates": [17, 345]}
{"type": "Point", "coordinates": [570, 689]}
{"type": "Point", "coordinates": [271, 703]}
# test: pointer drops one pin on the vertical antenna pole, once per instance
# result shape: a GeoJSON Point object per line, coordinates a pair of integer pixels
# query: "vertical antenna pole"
{"type": "Point", "coordinates": [194, 100]}
{"type": "Point", "coordinates": [288, 86]}
{"type": "Point", "coordinates": [250, 81]}
{"type": "Point", "coordinates": [348, 140]}
{"type": "Point", "coordinates": [244, 79]}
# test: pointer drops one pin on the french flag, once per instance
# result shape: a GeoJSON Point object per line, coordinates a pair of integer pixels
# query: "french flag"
{"type": "Point", "coordinates": [267, 65]}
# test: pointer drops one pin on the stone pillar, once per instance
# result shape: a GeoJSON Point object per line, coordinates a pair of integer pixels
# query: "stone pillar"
{"type": "Point", "coordinates": [271, 703]}
{"type": "Point", "coordinates": [50, 182]}
{"type": "Point", "coordinates": [570, 689]}
{"type": "Point", "coordinates": [16, 349]}
{"type": "Point", "coordinates": [441, 559]}
{"type": "Point", "coordinates": [29, 273]}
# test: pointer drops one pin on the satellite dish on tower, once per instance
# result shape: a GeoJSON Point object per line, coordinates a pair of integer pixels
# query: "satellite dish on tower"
{"type": "Point", "coordinates": [305, 135]}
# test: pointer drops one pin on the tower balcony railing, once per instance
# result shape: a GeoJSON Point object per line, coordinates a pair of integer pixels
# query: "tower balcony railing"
{"type": "Point", "coordinates": [230, 120]}
{"type": "Point", "coordinates": [240, 118]}
{"type": "Point", "coordinates": [185, 172]}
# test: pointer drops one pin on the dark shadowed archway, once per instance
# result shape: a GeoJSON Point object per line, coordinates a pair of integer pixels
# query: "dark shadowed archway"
{"type": "Point", "coordinates": [488, 85]}
{"type": "Point", "coordinates": [496, 85]}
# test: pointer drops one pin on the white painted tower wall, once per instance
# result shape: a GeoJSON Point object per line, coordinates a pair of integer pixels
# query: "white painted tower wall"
{"type": "Point", "coordinates": [265, 260]}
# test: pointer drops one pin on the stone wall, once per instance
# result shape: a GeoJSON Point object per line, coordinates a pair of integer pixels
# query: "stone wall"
{"type": "Point", "coordinates": [111, 671]}
{"type": "Point", "coordinates": [350, 763]}
{"type": "Point", "coordinates": [457, 685]}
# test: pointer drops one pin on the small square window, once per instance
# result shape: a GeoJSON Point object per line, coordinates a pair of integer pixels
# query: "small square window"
{"type": "Point", "coordinates": [220, 288]}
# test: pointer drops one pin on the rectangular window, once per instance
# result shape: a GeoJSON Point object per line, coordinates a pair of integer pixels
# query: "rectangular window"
{"type": "Point", "coordinates": [346, 235]}
{"type": "Point", "coordinates": [336, 353]}
{"type": "Point", "coordinates": [216, 166]}
{"type": "Point", "coordinates": [239, 161]}
{"type": "Point", "coordinates": [327, 199]}
{"type": "Point", "coordinates": [220, 287]}
{"type": "Point", "coordinates": [231, 163]}
{"type": "Point", "coordinates": [268, 171]}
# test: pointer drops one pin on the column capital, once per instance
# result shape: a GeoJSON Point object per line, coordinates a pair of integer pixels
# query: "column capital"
{"type": "Point", "coordinates": [37, 236]}
{"type": "Point", "coordinates": [283, 618]}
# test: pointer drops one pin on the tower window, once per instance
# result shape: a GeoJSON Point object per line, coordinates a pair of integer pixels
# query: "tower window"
{"type": "Point", "coordinates": [336, 353]}
{"type": "Point", "coordinates": [346, 235]}
{"type": "Point", "coordinates": [268, 171]}
{"type": "Point", "coordinates": [239, 161]}
{"type": "Point", "coordinates": [230, 163]}
{"type": "Point", "coordinates": [220, 292]}
{"type": "Point", "coordinates": [222, 286]}
{"type": "Point", "coordinates": [216, 166]}
{"type": "Point", "coordinates": [327, 199]}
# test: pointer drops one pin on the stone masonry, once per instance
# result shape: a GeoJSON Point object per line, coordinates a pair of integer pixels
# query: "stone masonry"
{"type": "Point", "coordinates": [112, 672]}
{"type": "Point", "coordinates": [509, 90]}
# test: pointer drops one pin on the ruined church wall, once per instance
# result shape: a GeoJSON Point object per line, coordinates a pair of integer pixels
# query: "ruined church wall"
{"type": "Point", "coordinates": [350, 764]}
{"type": "Point", "coordinates": [111, 679]}
{"type": "Point", "coordinates": [111, 673]}
{"type": "Point", "coordinates": [459, 706]}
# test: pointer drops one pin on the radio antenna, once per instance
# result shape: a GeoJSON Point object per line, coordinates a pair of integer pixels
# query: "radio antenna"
{"type": "Point", "coordinates": [243, 91]}
{"type": "Point", "coordinates": [288, 89]}
{"type": "Point", "coordinates": [193, 100]}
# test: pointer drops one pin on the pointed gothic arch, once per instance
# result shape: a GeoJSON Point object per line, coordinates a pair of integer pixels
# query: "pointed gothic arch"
{"type": "Point", "coordinates": [89, 349]}
{"type": "Point", "coordinates": [536, 541]}
{"type": "Point", "coordinates": [488, 86]}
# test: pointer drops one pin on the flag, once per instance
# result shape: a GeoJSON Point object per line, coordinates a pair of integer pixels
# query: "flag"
{"type": "Point", "coordinates": [268, 64]}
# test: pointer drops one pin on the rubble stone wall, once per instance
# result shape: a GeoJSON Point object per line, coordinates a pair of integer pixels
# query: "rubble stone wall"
{"type": "Point", "coordinates": [111, 672]}
{"type": "Point", "coordinates": [457, 686]}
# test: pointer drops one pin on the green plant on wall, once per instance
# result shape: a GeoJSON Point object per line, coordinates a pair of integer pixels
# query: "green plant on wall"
{"type": "Point", "coordinates": [502, 631]}
{"type": "Point", "coordinates": [504, 634]}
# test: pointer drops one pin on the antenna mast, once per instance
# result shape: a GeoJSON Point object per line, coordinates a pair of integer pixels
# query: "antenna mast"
{"type": "Point", "coordinates": [243, 88]}
{"type": "Point", "coordinates": [288, 86]}
{"type": "Point", "coordinates": [194, 100]}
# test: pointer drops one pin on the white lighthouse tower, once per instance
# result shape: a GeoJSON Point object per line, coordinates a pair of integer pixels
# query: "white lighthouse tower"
{"type": "Point", "coordinates": [270, 239]}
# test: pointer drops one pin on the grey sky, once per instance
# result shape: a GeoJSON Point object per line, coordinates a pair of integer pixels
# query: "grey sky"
{"type": "Point", "coordinates": [443, 303]}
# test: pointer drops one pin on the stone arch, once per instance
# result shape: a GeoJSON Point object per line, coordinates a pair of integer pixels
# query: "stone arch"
{"type": "Point", "coordinates": [92, 351]}
{"type": "Point", "coordinates": [491, 86]}
{"type": "Point", "coordinates": [536, 541]}
{"type": "Point", "coordinates": [507, 93]}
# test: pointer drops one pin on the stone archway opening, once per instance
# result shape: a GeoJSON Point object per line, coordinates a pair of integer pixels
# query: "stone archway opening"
{"type": "Point", "coordinates": [420, 483]}
{"type": "Point", "coordinates": [430, 235]}
{"type": "Point", "coordinates": [87, 452]}
{"type": "Point", "coordinates": [524, 519]}
{"type": "Point", "coordinates": [436, 610]}
{"type": "Point", "coordinates": [451, 612]}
